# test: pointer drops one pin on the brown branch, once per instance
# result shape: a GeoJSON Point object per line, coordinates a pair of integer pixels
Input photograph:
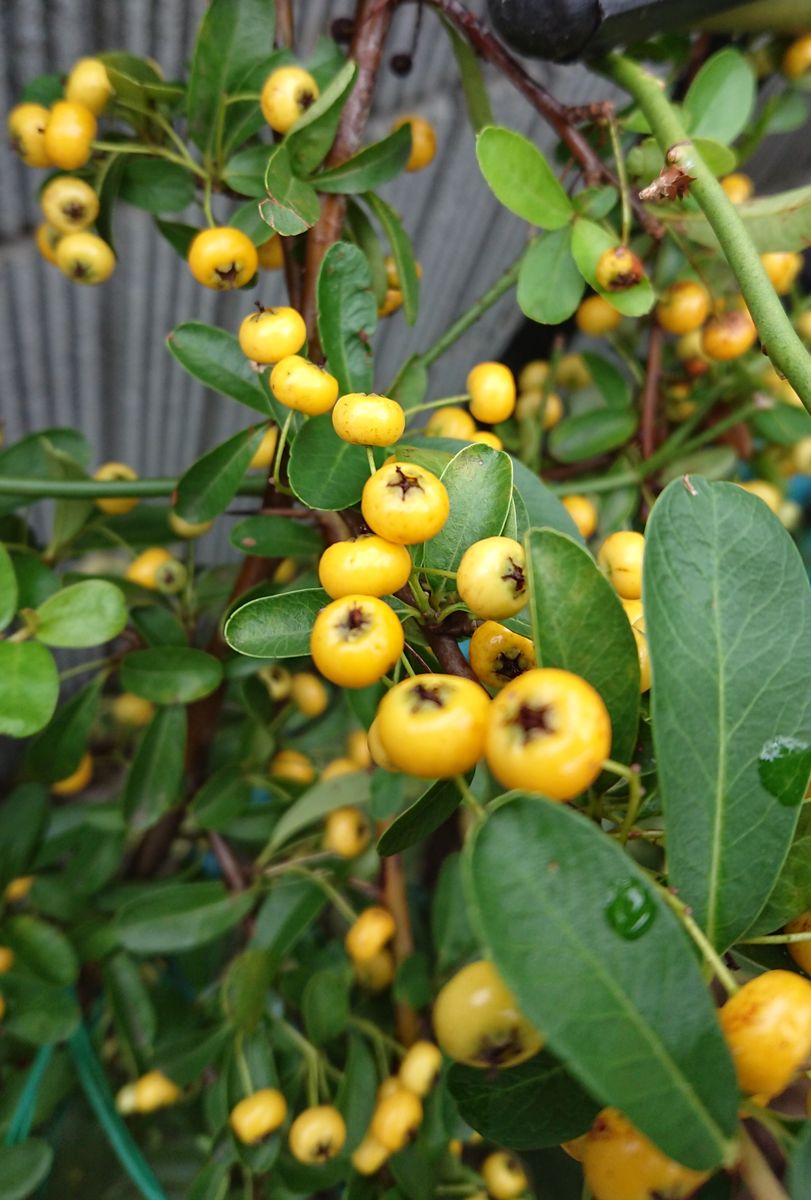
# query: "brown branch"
{"type": "Point", "coordinates": [372, 20]}
{"type": "Point", "coordinates": [650, 393]}
{"type": "Point", "coordinates": [284, 23]}
{"type": "Point", "coordinates": [231, 870]}
{"type": "Point", "coordinates": [561, 118]}
{"type": "Point", "coordinates": [395, 898]}
{"type": "Point", "coordinates": [448, 654]}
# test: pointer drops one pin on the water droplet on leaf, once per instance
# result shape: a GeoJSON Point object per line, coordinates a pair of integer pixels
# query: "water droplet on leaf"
{"type": "Point", "coordinates": [784, 765]}
{"type": "Point", "coordinates": [631, 911]}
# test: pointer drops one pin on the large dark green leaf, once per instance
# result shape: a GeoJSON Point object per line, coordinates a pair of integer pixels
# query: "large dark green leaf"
{"type": "Point", "coordinates": [372, 166]}
{"type": "Point", "coordinates": [521, 178]}
{"type": "Point", "coordinates": [579, 625]}
{"type": "Point", "coordinates": [29, 687]}
{"type": "Point", "coordinates": [534, 1104]}
{"type": "Point", "coordinates": [287, 914]}
{"type": "Point", "coordinates": [213, 356]}
{"type": "Point", "coordinates": [84, 614]}
{"type": "Point", "coordinates": [324, 471]}
{"type": "Point", "coordinates": [23, 1168]}
{"type": "Point", "coordinates": [275, 626]}
{"type": "Point", "coordinates": [319, 800]}
{"type": "Point", "coordinates": [589, 242]}
{"type": "Point", "coordinates": [427, 813]}
{"type": "Point", "coordinates": [721, 96]}
{"type": "Point", "coordinates": [728, 617]}
{"type": "Point", "coordinates": [170, 674]}
{"type": "Point", "coordinates": [55, 753]}
{"type": "Point", "coordinates": [210, 484]}
{"type": "Point", "coordinates": [156, 185]}
{"type": "Point", "coordinates": [233, 36]}
{"type": "Point", "coordinates": [479, 482]}
{"type": "Point", "coordinates": [609, 380]}
{"type": "Point", "coordinates": [154, 779]}
{"type": "Point", "coordinates": [347, 316]}
{"type": "Point", "coordinates": [403, 253]}
{"type": "Point", "coordinates": [588, 434]}
{"type": "Point", "coordinates": [309, 140]}
{"type": "Point", "coordinates": [291, 206]}
{"type": "Point", "coordinates": [23, 816]}
{"type": "Point", "coordinates": [179, 916]}
{"type": "Point", "coordinates": [42, 948]}
{"type": "Point", "coordinates": [621, 1002]}
{"type": "Point", "coordinates": [550, 286]}
{"type": "Point", "coordinates": [276, 537]}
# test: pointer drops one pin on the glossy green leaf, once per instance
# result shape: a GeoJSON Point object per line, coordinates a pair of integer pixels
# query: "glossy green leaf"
{"type": "Point", "coordinates": [156, 185]}
{"type": "Point", "coordinates": [69, 515]}
{"type": "Point", "coordinates": [597, 201]}
{"type": "Point", "coordinates": [550, 286]}
{"type": "Point", "coordinates": [778, 222]}
{"type": "Point", "coordinates": [275, 626]}
{"type": "Point", "coordinates": [132, 1009]}
{"type": "Point", "coordinates": [317, 801]}
{"type": "Point", "coordinates": [231, 38]}
{"type": "Point", "coordinates": [792, 892]}
{"type": "Point", "coordinates": [23, 1168]}
{"type": "Point", "coordinates": [325, 1004]}
{"type": "Point", "coordinates": [324, 471]}
{"type": "Point", "coordinates": [55, 753]}
{"type": "Point", "coordinates": [347, 316]}
{"type": "Point", "coordinates": [427, 813]}
{"type": "Point", "coordinates": [609, 380]}
{"type": "Point", "coordinates": [370, 167]}
{"type": "Point", "coordinates": [42, 948]}
{"type": "Point", "coordinates": [471, 77]}
{"type": "Point", "coordinates": [244, 118]}
{"type": "Point", "coordinates": [23, 816]}
{"type": "Point", "coordinates": [784, 424]}
{"type": "Point", "coordinates": [403, 253]}
{"type": "Point", "coordinates": [29, 688]}
{"type": "Point", "coordinates": [43, 89]}
{"type": "Point", "coordinates": [224, 796]}
{"type": "Point", "coordinates": [244, 989]}
{"type": "Point", "coordinates": [137, 81]}
{"type": "Point", "coordinates": [479, 482]}
{"type": "Point", "coordinates": [312, 135]}
{"type": "Point", "coordinates": [214, 357]}
{"type": "Point", "coordinates": [521, 178]}
{"type": "Point", "coordinates": [451, 931]}
{"type": "Point", "coordinates": [179, 916]}
{"type": "Point", "coordinates": [362, 232]}
{"type": "Point", "coordinates": [245, 171]}
{"type": "Point", "coordinates": [529, 1106]}
{"type": "Point", "coordinates": [713, 462]}
{"type": "Point", "coordinates": [291, 206]}
{"type": "Point", "coordinates": [728, 617]}
{"type": "Point", "coordinates": [158, 626]}
{"type": "Point", "coordinates": [720, 99]}
{"type": "Point", "coordinates": [170, 674]}
{"type": "Point", "coordinates": [355, 1098]}
{"type": "Point", "coordinates": [591, 433]}
{"type": "Point", "coordinates": [287, 913]}
{"type": "Point", "coordinates": [35, 581]}
{"type": "Point", "coordinates": [210, 484]}
{"type": "Point", "coordinates": [542, 506]}
{"type": "Point", "coordinates": [248, 218]}
{"type": "Point", "coordinates": [605, 991]}
{"type": "Point", "coordinates": [178, 234]}
{"type": "Point", "coordinates": [155, 776]}
{"type": "Point", "coordinates": [579, 625]}
{"type": "Point", "coordinates": [8, 588]}
{"type": "Point", "coordinates": [211, 1183]}
{"type": "Point", "coordinates": [84, 614]}
{"type": "Point", "coordinates": [410, 384]}
{"type": "Point", "coordinates": [589, 242]}
{"type": "Point", "coordinates": [29, 458]}
{"type": "Point", "coordinates": [276, 537]}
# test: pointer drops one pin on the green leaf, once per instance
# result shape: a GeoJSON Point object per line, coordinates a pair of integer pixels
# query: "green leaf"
{"type": "Point", "coordinates": [427, 813]}
{"type": "Point", "coordinates": [713, 462]}
{"type": "Point", "coordinates": [69, 516]}
{"type": "Point", "coordinates": [792, 892]}
{"type": "Point", "coordinates": [232, 37]}
{"type": "Point", "coordinates": [23, 1168]}
{"type": "Point", "coordinates": [43, 89]}
{"type": "Point", "coordinates": [410, 384]}
{"type": "Point", "coordinates": [42, 948]}
{"type": "Point", "coordinates": [589, 242]}
{"type": "Point", "coordinates": [179, 917]}
{"type": "Point", "coordinates": [471, 76]}
{"type": "Point", "coordinates": [8, 588]}
{"type": "Point", "coordinates": [55, 753]}
{"type": "Point", "coordinates": [347, 316]}
{"type": "Point", "coordinates": [728, 618]}
{"type": "Point", "coordinates": [170, 674]}
{"type": "Point", "coordinates": [550, 286]}
{"type": "Point", "coordinates": [363, 234]}
{"type": "Point", "coordinates": [312, 135]}
{"type": "Point", "coordinates": [245, 171]}
{"type": "Point", "coordinates": [132, 1009]}
{"type": "Point", "coordinates": [179, 235]}
{"type": "Point", "coordinates": [30, 458]}
{"type": "Point", "coordinates": [325, 1004]}
{"type": "Point", "coordinates": [598, 201]}
{"type": "Point", "coordinates": [243, 118]}
{"type": "Point", "coordinates": [156, 185]}
{"type": "Point", "coordinates": [591, 433]}
{"type": "Point", "coordinates": [29, 687]}
{"type": "Point", "coordinates": [372, 166]}
{"type": "Point", "coordinates": [286, 915]}
{"type": "Point", "coordinates": [403, 252]}
{"type": "Point", "coordinates": [479, 482]}
{"type": "Point", "coordinates": [38, 1013]}
{"type": "Point", "coordinates": [154, 779]}
{"type": "Point", "coordinates": [210, 484]}
{"type": "Point", "coordinates": [609, 381]}
{"type": "Point", "coordinates": [211, 1183]}
{"type": "Point", "coordinates": [222, 797]}
{"type": "Point", "coordinates": [137, 83]}
{"type": "Point", "coordinates": [604, 992]}
{"type": "Point", "coordinates": [542, 506]}
{"type": "Point", "coordinates": [720, 99]}
{"type": "Point", "coordinates": [250, 221]}
{"type": "Point", "coordinates": [35, 581]}
{"type": "Point", "coordinates": [532, 1105]}
{"type": "Point", "coordinates": [157, 626]}
{"type": "Point", "coordinates": [23, 816]}
{"type": "Point", "coordinates": [317, 801]}
{"type": "Point", "coordinates": [646, 159]}
{"type": "Point", "coordinates": [84, 614]}
{"type": "Point", "coordinates": [107, 184]}
{"type": "Point", "coordinates": [799, 1171]}
{"type": "Point", "coordinates": [276, 537]}
{"type": "Point", "coordinates": [451, 932]}
{"type": "Point", "coordinates": [355, 1098]}
{"type": "Point", "coordinates": [214, 357]}
{"type": "Point", "coordinates": [521, 178]}
{"type": "Point", "coordinates": [244, 989]}
{"type": "Point", "coordinates": [324, 471]}
{"type": "Point", "coordinates": [579, 625]}
{"type": "Point", "coordinates": [784, 424]}
{"type": "Point", "coordinates": [779, 222]}
{"type": "Point", "coordinates": [275, 626]}
{"type": "Point", "coordinates": [291, 206]}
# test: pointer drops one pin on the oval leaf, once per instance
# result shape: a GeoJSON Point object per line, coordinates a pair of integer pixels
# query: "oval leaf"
{"type": "Point", "coordinates": [214, 357]}
{"type": "Point", "coordinates": [347, 316]}
{"type": "Point", "coordinates": [589, 241]}
{"type": "Point", "coordinates": [550, 285]}
{"type": "Point", "coordinates": [170, 674]}
{"type": "Point", "coordinates": [426, 814]}
{"type": "Point", "coordinates": [479, 481]}
{"type": "Point", "coordinates": [314, 132]}
{"type": "Point", "coordinates": [590, 433]}
{"type": "Point", "coordinates": [521, 178]}
{"type": "Point", "coordinates": [403, 252]}
{"type": "Point", "coordinates": [720, 99]}
{"type": "Point", "coordinates": [178, 917]}
{"type": "Point", "coordinates": [8, 588]}
{"type": "Point", "coordinates": [211, 483]}
{"type": "Point", "coordinates": [155, 185]}
{"type": "Point", "coordinates": [324, 471]}
{"type": "Point", "coordinates": [728, 617]}
{"type": "Point", "coordinates": [627, 1012]}
{"type": "Point", "coordinates": [23, 1168]}
{"type": "Point", "coordinates": [290, 206]}
{"type": "Point", "coordinates": [276, 537]}
{"type": "Point", "coordinates": [374, 165]}
{"type": "Point", "coordinates": [42, 948]}
{"type": "Point", "coordinates": [275, 626]}
{"type": "Point", "coordinates": [154, 779]}
{"type": "Point", "coordinates": [29, 687]}
{"type": "Point", "coordinates": [56, 752]}
{"type": "Point", "coordinates": [319, 800]}
{"type": "Point", "coordinates": [83, 614]}
{"type": "Point", "coordinates": [779, 222]}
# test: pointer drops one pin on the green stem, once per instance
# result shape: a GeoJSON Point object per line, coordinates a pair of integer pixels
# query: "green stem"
{"type": "Point", "coordinates": [91, 489]}
{"type": "Point", "coordinates": [471, 316]}
{"type": "Point", "coordinates": [778, 336]}
{"type": "Point", "coordinates": [370, 458]}
{"type": "Point", "coordinates": [708, 951]}
{"type": "Point", "coordinates": [468, 797]}
{"type": "Point", "coordinates": [603, 483]}
{"type": "Point", "coordinates": [735, 418]}
{"type": "Point", "coordinates": [277, 465]}
{"type": "Point", "coordinates": [445, 400]}
{"type": "Point", "coordinates": [375, 1034]}
{"type": "Point", "coordinates": [333, 895]}
{"type": "Point", "coordinates": [632, 777]}
{"type": "Point", "coordinates": [153, 152]}
{"type": "Point", "coordinates": [243, 1068]}
{"type": "Point", "coordinates": [207, 203]}
{"type": "Point", "coordinates": [776, 939]}
{"type": "Point", "coordinates": [622, 179]}
{"type": "Point", "coordinates": [407, 666]}
{"type": "Point", "coordinates": [85, 666]}
{"type": "Point", "coordinates": [437, 571]}
{"type": "Point", "coordinates": [418, 593]}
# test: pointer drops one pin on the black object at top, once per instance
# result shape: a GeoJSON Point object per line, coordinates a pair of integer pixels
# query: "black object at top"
{"type": "Point", "coordinates": [562, 30]}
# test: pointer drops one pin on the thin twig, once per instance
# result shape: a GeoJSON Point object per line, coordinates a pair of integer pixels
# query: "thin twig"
{"type": "Point", "coordinates": [650, 392]}
{"type": "Point", "coordinates": [231, 870]}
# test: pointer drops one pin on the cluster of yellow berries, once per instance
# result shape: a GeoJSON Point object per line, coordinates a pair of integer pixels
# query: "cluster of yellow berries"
{"type": "Point", "coordinates": [62, 136]}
